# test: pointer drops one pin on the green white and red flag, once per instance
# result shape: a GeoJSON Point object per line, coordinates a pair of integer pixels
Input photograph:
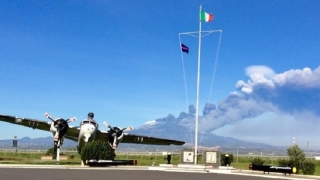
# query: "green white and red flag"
{"type": "Point", "coordinates": [206, 16]}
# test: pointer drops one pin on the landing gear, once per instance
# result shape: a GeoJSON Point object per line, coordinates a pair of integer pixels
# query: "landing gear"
{"type": "Point", "coordinates": [56, 150]}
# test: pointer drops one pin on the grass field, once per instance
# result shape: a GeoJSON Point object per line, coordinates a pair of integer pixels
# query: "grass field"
{"type": "Point", "coordinates": [142, 160]}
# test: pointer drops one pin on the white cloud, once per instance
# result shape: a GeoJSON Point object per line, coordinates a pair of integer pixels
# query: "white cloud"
{"type": "Point", "coordinates": [292, 97]}
{"type": "Point", "coordinates": [263, 70]}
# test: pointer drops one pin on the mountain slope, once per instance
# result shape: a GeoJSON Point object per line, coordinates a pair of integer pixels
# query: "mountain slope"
{"type": "Point", "coordinates": [183, 128]}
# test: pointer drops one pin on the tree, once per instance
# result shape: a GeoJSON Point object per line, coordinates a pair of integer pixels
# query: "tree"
{"type": "Point", "coordinates": [297, 157]}
{"type": "Point", "coordinates": [98, 150]}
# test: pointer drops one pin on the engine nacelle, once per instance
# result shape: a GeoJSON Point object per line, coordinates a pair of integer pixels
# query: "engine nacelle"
{"type": "Point", "coordinates": [115, 136]}
{"type": "Point", "coordinates": [53, 128]}
{"type": "Point", "coordinates": [59, 128]}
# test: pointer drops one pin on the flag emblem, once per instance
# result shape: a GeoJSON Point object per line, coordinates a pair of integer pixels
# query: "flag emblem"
{"type": "Point", "coordinates": [184, 48]}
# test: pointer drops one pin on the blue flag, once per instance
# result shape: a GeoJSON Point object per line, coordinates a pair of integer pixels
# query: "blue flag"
{"type": "Point", "coordinates": [184, 48]}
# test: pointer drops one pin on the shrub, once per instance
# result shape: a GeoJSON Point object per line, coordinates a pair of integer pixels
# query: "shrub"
{"type": "Point", "coordinates": [98, 150]}
{"type": "Point", "coordinates": [308, 167]}
{"type": "Point", "coordinates": [50, 152]}
{"type": "Point", "coordinates": [258, 161]}
{"type": "Point", "coordinates": [284, 162]}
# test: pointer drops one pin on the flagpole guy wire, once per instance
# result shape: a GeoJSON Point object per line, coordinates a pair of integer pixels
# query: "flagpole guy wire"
{"type": "Point", "coordinates": [184, 75]}
{"type": "Point", "coordinates": [182, 60]}
{"type": "Point", "coordinates": [215, 66]}
{"type": "Point", "coordinates": [200, 35]}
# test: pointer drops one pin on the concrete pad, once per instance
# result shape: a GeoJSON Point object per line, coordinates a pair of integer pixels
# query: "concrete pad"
{"type": "Point", "coordinates": [166, 165]}
{"type": "Point", "coordinates": [194, 166]}
{"type": "Point", "coordinates": [156, 168]}
{"type": "Point", "coordinates": [226, 167]}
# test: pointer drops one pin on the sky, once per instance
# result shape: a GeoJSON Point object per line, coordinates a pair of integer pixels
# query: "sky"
{"type": "Point", "coordinates": [122, 60]}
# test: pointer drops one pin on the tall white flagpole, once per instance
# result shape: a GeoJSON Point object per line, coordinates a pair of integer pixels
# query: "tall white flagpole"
{"type": "Point", "coordinates": [197, 97]}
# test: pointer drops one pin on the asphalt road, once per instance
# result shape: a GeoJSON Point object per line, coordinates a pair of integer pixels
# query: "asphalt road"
{"type": "Point", "coordinates": [95, 174]}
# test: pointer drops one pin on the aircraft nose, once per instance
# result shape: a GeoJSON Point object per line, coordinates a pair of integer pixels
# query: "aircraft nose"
{"type": "Point", "coordinates": [91, 128]}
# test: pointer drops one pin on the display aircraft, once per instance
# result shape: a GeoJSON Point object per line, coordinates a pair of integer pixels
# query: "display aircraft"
{"type": "Point", "coordinates": [87, 131]}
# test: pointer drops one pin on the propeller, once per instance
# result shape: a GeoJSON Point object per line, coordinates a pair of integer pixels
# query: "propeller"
{"type": "Point", "coordinates": [115, 134]}
{"type": "Point", "coordinates": [53, 120]}
{"type": "Point", "coordinates": [113, 129]}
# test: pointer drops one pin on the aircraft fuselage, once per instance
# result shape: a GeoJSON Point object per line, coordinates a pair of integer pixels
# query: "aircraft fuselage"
{"type": "Point", "coordinates": [88, 130]}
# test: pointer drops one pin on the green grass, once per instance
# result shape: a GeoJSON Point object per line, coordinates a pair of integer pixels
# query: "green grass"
{"type": "Point", "coordinates": [149, 159]}
{"type": "Point", "coordinates": [32, 158]}
{"type": "Point", "coordinates": [142, 160]}
{"type": "Point", "coordinates": [244, 166]}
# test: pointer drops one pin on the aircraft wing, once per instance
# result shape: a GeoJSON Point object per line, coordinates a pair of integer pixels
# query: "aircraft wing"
{"type": "Point", "coordinates": [140, 139]}
{"type": "Point", "coordinates": [72, 133]}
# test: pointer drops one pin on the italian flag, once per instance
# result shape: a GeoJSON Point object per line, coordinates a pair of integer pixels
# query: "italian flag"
{"type": "Point", "coordinates": [205, 16]}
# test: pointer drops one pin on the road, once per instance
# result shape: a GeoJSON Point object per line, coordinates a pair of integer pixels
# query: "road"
{"type": "Point", "coordinates": [121, 173]}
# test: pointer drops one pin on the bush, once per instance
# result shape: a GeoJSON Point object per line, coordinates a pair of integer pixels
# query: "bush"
{"type": "Point", "coordinates": [98, 150]}
{"type": "Point", "coordinates": [50, 152]}
{"type": "Point", "coordinates": [284, 162]}
{"type": "Point", "coordinates": [308, 167]}
{"type": "Point", "coordinates": [258, 161]}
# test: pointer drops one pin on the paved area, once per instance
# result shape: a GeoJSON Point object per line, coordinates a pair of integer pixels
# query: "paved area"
{"type": "Point", "coordinates": [55, 172]}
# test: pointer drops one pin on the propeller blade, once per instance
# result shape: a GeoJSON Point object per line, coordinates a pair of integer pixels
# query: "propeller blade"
{"type": "Point", "coordinates": [105, 123]}
{"type": "Point", "coordinates": [127, 128]}
{"type": "Point", "coordinates": [108, 125]}
{"type": "Point", "coordinates": [72, 119]}
{"type": "Point", "coordinates": [48, 116]}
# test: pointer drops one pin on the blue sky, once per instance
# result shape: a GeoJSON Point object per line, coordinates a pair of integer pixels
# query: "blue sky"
{"type": "Point", "coordinates": [122, 61]}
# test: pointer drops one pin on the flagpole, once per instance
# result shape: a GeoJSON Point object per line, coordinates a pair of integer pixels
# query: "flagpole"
{"type": "Point", "coordinates": [197, 97]}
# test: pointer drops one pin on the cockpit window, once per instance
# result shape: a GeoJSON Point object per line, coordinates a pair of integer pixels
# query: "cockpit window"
{"type": "Point", "coordinates": [89, 122]}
